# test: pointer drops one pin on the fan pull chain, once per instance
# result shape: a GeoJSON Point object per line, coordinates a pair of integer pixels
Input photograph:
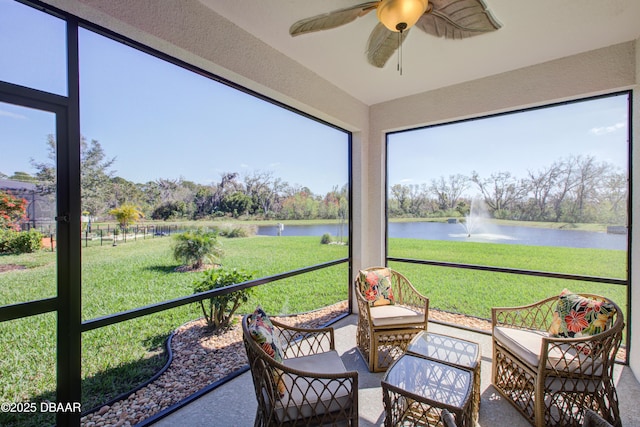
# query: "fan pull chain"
{"type": "Point", "coordinates": [400, 52]}
{"type": "Point", "coordinates": [401, 26]}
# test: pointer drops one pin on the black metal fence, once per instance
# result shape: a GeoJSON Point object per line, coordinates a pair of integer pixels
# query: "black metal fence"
{"type": "Point", "coordinates": [114, 234]}
{"type": "Point", "coordinates": [111, 234]}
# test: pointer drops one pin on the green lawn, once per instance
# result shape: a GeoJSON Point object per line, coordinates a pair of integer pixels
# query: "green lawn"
{"type": "Point", "coordinates": [142, 272]}
{"type": "Point", "coordinates": [134, 274]}
{"type": "Point", "coordinates": [475, 292]}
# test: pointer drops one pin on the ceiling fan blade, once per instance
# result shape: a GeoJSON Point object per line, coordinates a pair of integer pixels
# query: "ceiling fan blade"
{"type": "Point", "coordinates": [458, 19]}
{"type": "Point", "coordinates": [332, 19]}
{"type": "Point", "coordinates": [382, 44]}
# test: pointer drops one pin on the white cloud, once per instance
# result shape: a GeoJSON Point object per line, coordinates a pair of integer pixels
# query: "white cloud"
{"type": "Point", "coordinates": [608, 129]}
{"type": "Point", "coordinates": [12, 115]}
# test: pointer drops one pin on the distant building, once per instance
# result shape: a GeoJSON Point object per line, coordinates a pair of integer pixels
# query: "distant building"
{"type": "Point", "coordinates": [41, 208]}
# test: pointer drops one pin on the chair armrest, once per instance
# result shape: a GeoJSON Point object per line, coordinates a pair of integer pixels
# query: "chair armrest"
{"type": "Point", "coordinates": [298, 341]}
{"type": "Point", "coordinates": [588, 355]}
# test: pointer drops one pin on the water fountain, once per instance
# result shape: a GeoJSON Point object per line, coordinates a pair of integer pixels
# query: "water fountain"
{"type": "Point", "coordinates": [476, 223]}
{"type": "Point", "coordinates": [477, 217]}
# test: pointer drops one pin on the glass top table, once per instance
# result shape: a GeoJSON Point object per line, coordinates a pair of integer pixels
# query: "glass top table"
{"type": "Point", "coordinates": [416, 390]}
{"type": "Point", "coordinates": [446, 349]}
{"type": "Point", "coordinates": [453, 351]}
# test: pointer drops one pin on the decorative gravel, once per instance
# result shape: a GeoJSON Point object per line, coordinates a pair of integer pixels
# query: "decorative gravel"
{"type": "Point", "coordinates": [201, 358]}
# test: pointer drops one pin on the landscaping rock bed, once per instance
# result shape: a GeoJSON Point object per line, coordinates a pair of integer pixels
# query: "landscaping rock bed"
{"type": "Point", "coordinates": [201, 358]}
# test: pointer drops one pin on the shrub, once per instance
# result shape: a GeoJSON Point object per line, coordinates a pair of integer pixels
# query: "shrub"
{"type": "Point", "coordinates": [238, 230]}
{"type": "Point", "coordinates": [221, 308]}
{"type": "Point", "coordinates": [126, 214]}
{"type": "Point", "coordinates": [194, 247]}
{"type": "Point", "coordinates": [170, 210]}
{"type": "Point", "coordinates": [14, 242]}
{"type": "Point", "coordinates": [325, 239]}
{"type": "Point", "coordinates": [12, 211]}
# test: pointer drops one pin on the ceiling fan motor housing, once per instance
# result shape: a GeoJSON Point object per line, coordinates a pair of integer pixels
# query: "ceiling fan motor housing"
{"type": "Point", "coordinates": [399, 15]}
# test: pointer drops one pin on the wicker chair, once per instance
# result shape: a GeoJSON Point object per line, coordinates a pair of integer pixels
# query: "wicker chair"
{"type": "Point", "coordinates": [311, 386]}
{"type": "Point", "coordinates": [550, 380]}
{"type": "Point", "coordinates": [384, 331]}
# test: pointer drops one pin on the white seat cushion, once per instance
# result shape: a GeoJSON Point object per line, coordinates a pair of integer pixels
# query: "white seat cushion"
{"type": "Point", "coordinates": [313, 397]}
{"type": "Point", "coordinates": [527, 344]}
{"type": "Point", "coordinates": [523, 343]}
{"type": "Point", "coordinates": [390, 315]}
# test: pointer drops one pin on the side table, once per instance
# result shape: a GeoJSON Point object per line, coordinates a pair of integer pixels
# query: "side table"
{"type": "Point", "coordinates": [416, 390]}
{"type": "Point", "coordinates": [452, 351]}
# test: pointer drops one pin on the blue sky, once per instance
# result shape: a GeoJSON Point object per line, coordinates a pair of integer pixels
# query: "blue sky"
{"type": "Point", "coordinates": [160, 121]}
{"type": "Point", "coordinates": [515, 143]}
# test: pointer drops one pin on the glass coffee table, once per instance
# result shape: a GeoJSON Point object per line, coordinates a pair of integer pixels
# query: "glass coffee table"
{"type": "Point", "coordinates": [416, 390]}
{"type": "Point", "coordinates": [452, 351]}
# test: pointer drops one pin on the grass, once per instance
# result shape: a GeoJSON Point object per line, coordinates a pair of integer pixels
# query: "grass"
{"type": "Point", "coordinates": [477, 291]}
{"type": "Point", "coordinates": [134, 274]}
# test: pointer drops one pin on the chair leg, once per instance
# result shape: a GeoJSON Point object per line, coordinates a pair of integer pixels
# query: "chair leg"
{"type": "Point", "coordinates": [258, 420]}
{"type": "Point", "coordinates": [373, 353]}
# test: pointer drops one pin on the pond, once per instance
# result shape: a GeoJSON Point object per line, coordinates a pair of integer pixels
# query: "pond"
{"type": "Point", "coordinates": [456, 232]}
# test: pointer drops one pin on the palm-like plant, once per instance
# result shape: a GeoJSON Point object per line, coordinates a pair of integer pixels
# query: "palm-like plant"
{"type": "Point", "coordinates": [196, 247]}
{"type": "Point", "coordinates": [126, 214]}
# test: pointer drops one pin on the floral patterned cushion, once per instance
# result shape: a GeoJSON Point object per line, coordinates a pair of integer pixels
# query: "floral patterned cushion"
{"type": "Point", "coordinates": [262, 332]}
{"type": "Point", "coordinates": [577, 316]}
{"type": "Point", "coordinates": [375, 285]}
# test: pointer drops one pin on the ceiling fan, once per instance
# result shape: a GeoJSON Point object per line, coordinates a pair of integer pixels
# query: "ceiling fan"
{"type": "Point", "coordinates": [451, 19]}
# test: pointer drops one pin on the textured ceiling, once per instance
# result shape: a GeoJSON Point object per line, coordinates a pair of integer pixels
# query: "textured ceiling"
{"type": "Point", "coordinates": [532, 32]}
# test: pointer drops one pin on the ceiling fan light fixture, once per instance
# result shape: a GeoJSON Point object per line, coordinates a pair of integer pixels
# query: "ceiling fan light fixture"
{"type": "Point", "coordinates": [400, 15]}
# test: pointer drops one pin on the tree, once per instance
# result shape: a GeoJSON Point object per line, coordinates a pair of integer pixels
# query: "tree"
{"type": "Point", "coordinates": [613, 197]}
{"type": "Point", "coordinates": [448, 192]}
{"type": "Point", "coordinates": [228, 184]}
{"type": "Point", "coordinates": [401, 194]}
{"type": "Point", "coordinates": [235, 203]}
{"type": "Point", "coordinates": [170, 210]}
{"type": "Point", "coordinates": [195, 247]}
{"type": "Point", "coordinates": [12, 211]}
{"type": "Point", "coordinates": [46, 171]}
{"type": "Point", "coordinates": [123, 191]}
{"type": "Point", "coordinates": [94, 174]}
{"type": "Point", "coordinates": [300, 205]}
{"type": "Point", "coordinates": [126, 214]}
{"type": "Point", "coordinates": [540, 185]}
{"type": "Point", "coordinates": [500, 191]}
{"type": "Point", "coordinates": [418, 200]}
{"type": "Point", "coordinates": [23, 177]}
{"type": "Point", "coordinates": [203, 201]}
{"type": "Point", "coordinates": [589, 174]}
{"type": "Point", "coordinates": [258, 188]}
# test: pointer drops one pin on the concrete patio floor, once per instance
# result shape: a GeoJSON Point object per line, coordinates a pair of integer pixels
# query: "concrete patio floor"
{"type": "Point", "coordinates": [234, 404]}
